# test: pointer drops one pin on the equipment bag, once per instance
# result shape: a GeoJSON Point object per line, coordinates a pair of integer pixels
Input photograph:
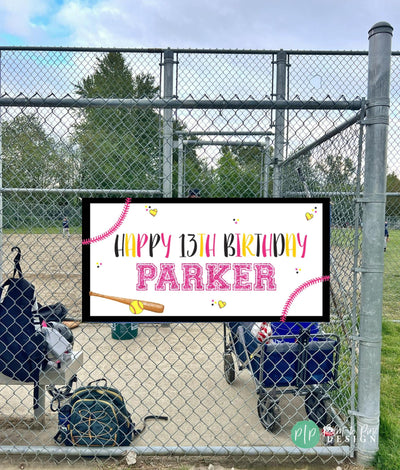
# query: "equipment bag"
{"type": "Point", "coordinates": [56, 312]}
{"type": "Point", "coordinates": [96, 416]}
{"type": "Point", "coordinates": [22, 346]}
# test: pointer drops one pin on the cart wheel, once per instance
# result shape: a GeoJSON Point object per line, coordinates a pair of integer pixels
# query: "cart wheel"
{"type": "Point", "coordinates": [316, 408]}
{"type": "Point", "coordinates": [229, 368]}
{"type": "Point", "coordinates": [268, 412]}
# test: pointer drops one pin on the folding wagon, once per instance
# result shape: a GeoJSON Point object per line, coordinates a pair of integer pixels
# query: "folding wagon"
{"type": "Point", "coordinates": [296, 359]}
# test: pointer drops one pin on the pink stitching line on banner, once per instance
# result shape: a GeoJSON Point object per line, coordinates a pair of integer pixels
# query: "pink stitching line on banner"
{"type": "Point", "coordinates": [297, 291]}
{"type": "Point", "coordinates": [111, 230]}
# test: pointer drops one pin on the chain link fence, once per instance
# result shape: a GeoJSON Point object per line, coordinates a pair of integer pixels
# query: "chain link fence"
{"type": "Point", "coordinates": [143, 123]}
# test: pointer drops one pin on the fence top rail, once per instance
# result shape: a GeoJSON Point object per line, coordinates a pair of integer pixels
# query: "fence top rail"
{"type": "Point", "coordinates": [80, 191]}
{"type": "Point", "coordinates": [160, 50]}
{"type": "Point", "coordinates": [202, 103]}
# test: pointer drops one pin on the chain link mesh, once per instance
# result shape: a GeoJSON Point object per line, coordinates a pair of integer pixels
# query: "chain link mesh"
{"type": "Point", "coordinates": [53, 155]}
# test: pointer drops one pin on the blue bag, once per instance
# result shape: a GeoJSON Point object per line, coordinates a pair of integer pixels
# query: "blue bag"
{"type": "Point", "coordinates": [22, 346]}
{"type": "Point", "coordinates": [95, 416]}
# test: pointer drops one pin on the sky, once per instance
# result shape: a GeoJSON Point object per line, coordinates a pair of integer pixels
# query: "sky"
{"type": "Point", "coordinates": [197, 24]}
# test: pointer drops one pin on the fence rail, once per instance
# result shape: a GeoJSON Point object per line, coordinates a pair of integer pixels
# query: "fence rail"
{"type": "Point", "coordinates": [176, 103]}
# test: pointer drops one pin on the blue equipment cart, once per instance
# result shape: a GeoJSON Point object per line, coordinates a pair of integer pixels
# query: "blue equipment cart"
{"type": "Point", "coordinates": [299, 360]}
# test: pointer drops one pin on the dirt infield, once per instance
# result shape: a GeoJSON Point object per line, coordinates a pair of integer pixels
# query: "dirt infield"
{"type": "Point", "coordinates": [52, 263]}
{"type": "Point", "coordinates": [174, 370]}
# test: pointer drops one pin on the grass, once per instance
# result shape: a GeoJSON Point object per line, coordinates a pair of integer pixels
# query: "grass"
{"type": "Point", "coordinates": [388, 457]}
{"type": "Point", "coordinates": [41, 230]}
{"type": "Point", "coordinates": [391, 280]}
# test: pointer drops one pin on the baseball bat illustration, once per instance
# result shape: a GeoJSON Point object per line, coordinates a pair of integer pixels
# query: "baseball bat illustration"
{"type": "Point", "coordinates": [138, 305]}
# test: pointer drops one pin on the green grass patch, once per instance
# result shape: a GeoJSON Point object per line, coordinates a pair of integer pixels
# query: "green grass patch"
{"type": "Point", "coordinates": [41, 230]}
{"type": "Point", "coordinates": [344, 237]}
{"type": "Point", "coordinates": [388, 457]}
{"type": "Point", "coordinates": [391, 280]}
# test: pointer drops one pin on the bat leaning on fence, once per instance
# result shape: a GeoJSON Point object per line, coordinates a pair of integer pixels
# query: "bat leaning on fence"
{"type": "Point", "coordinates": [135, 306]}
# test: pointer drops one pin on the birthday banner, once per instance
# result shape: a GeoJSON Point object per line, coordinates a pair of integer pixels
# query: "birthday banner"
{"type": "Point", "coordinates": [205, 260]}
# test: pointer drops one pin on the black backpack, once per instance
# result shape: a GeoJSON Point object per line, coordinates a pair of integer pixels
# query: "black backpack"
{"type": "Point", "coordinates": [95, 416]}
{"type": "Point", "coordinates": [22, 346]}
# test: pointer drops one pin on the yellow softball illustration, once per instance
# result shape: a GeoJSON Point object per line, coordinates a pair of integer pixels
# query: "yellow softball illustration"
{"type": "Point", "coordinates": [136, 307]}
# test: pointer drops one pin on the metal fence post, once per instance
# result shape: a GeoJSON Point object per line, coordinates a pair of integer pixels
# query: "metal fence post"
{"type": "Point", "coordinates": [279, 123]}
{"type": "Point", "coordinates": [377, 120]}
{"type": "Point", "coordinates": [180, 166]}
{"type": "Point", "coordinates": [267, 164]}
{"type": "Point", "coordinates": [168, 123]}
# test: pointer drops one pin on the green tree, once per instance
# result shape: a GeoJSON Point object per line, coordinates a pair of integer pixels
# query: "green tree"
{"type": "Point", "coordinates": [336, 172]}
{"type": "Point", "coordinates": [240, 172]}
{"type": "Point", "coordinates": [337, 175]}
{"type": "Point", "coordinates": [119, 147]}
{"type": "Point", "coordinates": [33, 159]}
{"type": "Point", "coordinates": [298, 177]}
{"type": "Point", "coordinates": [30, 158]}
